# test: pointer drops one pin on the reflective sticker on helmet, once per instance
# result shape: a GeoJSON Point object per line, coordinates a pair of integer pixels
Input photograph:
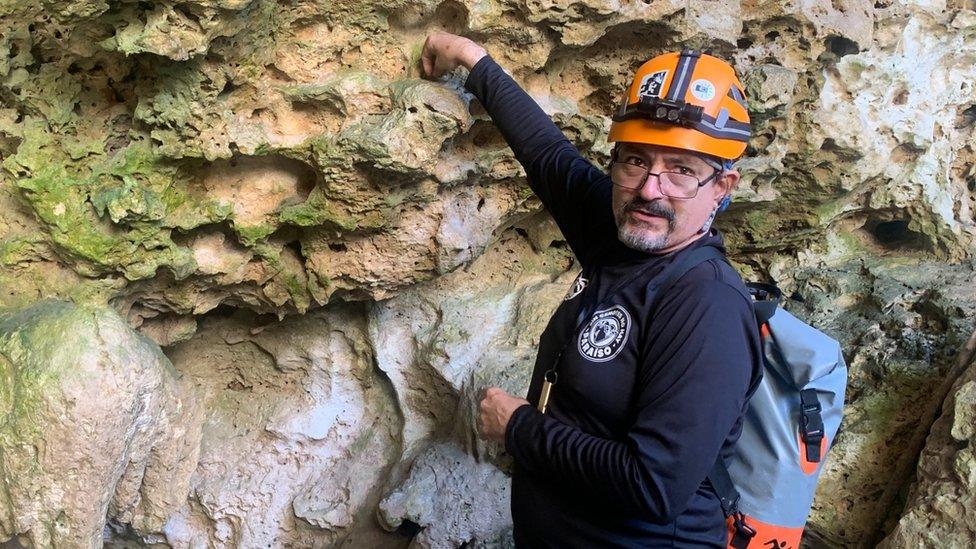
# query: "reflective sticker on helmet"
{"type": "Point", "coordinates": [652, 84]}
{"type": "Point", "coordinates": [703, 90]}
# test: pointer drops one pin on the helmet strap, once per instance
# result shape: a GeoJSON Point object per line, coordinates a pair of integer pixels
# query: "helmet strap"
{"type": "Point", "coordinates": [708, 222]}
{"type": "Point", "coordinates": [722, 205]}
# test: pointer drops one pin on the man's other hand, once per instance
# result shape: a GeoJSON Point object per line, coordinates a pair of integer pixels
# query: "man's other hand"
{"type": "Point", "coordinates": [497, 408]}
{"type": "Point", "coordinates": [445, 52]}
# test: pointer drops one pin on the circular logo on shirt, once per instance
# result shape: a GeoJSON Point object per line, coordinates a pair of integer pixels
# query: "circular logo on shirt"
{"type": "Point", "coordinates": [578, 286]}
{"type": "Point", "coordinates": [605, 334]}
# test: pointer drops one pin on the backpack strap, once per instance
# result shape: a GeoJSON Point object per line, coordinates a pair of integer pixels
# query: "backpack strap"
{"type": "Point", "coordinates": [719, 475]}
{"type": "Point", "coordinates": [728, 498]}
{"type": "Point", "coordinates": [684, 264]}
{"type": "Point", "coordinates": [765, 299]}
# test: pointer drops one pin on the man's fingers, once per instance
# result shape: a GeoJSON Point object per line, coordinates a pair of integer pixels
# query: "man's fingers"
{"type": "Point", "coordinates": [427, 58]}
{"type": "Point", "coordinates": [483, 424]}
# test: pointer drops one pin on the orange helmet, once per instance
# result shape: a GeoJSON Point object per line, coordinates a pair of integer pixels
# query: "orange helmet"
{"type": "Point", "coordinates": [689, 100]}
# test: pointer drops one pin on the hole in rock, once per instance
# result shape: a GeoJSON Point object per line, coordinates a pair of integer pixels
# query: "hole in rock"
{"type": "Point", "coordinates": [830, 145]}
{"type": "Point", "coordinates": [275, 72]}
{"type": "Point", "coordinates": [236, 385]}
{"type": "Point", "coordinates": [453, 16]}
{"type": "Point", "coordinates": [257, 186]}
{"type": "Point", "coordinates": [409, 528]}
{"type": "Point", "coordinates": [900, 98]}
{"type": "Point", "coordinates": [933, 318]}
{"type": "Point", "coordinates": [894, 234]}
{"type": "Point", "coordinates": [186, 13]}
{"type": "Point", "coordinates": [601, 101]}
{"type": "Point", "coordinates": [628, 44]}
{"type": "Point", "coordinates": [227, 89]}
{"type": "Point", "coordinates": [481, 203]}
{"type": "Point", "coordinates": [840, 46]}
{"type": "Point", "coordinates": [185, 237]}
{"type": "Point", "coordinates": [222, 310]}
{"type": "Point", "coordinates": [966, 117]}
{"type": "Point", "coordinates": [296, 245]}
{"type": "Point", "coordinates": [906, 152]}
{"type": "Point", "coordinates": [337, 247]}
{"type": "Point", "coordinates": [484, 134]}
{"type": "Point", "coordinates": [305, 107]}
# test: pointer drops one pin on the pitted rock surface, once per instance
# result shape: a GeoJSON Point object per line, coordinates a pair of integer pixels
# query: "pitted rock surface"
{"type": "Point", "coordinates": [337, 255]}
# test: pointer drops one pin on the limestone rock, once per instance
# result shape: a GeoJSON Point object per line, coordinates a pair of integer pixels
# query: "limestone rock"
{"type": "Point", "coordinates": [897, 359]}
{"type": "Point", "coordinates": [939, 512]}
{"type": "Point", "coordinates": [301, 430]}
{"type": "Point", "coordinates": [179, 159]}
{"type": "Point", "coordinates": [455, 499]}
{"type": "Point", "coordinates": [96, 426]}
{"type": "Point", "coordinates": [441, 345]}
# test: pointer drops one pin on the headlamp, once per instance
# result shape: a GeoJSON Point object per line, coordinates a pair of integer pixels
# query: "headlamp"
{"type": "Point", "coordinates": [676, 112]}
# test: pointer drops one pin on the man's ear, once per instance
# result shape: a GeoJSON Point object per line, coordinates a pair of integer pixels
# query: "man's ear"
{"type": "Point", "coordinates": [726, 184]}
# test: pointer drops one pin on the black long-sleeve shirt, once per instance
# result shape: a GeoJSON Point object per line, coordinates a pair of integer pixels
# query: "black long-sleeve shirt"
{"type": "Point", "coordinates": [646, 399]}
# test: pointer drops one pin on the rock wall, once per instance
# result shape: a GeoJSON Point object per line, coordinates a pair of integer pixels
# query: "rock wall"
{"type": "Point", "coordinates": [335, 256]}
{"type": "Point", "coordinates": [96, 427]}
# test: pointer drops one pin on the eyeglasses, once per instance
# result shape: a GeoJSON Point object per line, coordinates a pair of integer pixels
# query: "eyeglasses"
{"type": "Point", "coordinates": [672, 184]}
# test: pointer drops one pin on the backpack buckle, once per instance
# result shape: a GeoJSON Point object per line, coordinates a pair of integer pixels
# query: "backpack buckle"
{"type": "Point", "coordinates": [730, 506]}
{"type": "Point", "coordinates": [811, 424]}
{"type": "Point", "coordinates": [743, 532]}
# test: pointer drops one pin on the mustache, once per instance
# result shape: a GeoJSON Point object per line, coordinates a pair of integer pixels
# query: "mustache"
{"type": "Point", "coordinates": [650, 208]}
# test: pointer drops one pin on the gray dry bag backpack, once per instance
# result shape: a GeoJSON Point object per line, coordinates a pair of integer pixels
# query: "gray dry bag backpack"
{"type": "Point", "coordinates": [767, 487]}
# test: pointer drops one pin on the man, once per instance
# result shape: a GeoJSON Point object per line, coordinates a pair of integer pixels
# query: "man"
{"type": "Point", "coordinates": [634, 395]}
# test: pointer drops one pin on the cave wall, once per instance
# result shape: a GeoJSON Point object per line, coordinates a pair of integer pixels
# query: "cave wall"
{"type": "Point", "coordinates": [334, 256]}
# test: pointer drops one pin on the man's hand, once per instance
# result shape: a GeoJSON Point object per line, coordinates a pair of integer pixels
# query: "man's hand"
{"type": "Point", "coordinates": [497, 408]}
{"type": "Point", "coordinates": [445, 52]}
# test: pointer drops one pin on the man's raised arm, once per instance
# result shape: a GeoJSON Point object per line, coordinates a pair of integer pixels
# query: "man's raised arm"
{"type": "Point", "coordinates": [564, 180]}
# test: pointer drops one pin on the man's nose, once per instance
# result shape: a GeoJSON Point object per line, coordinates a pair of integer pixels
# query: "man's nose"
{"type": "Point", "coordinates": [651, 190]}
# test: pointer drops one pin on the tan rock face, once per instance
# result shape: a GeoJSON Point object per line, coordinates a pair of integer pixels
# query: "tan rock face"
{"type": "Point", "coordinates": [300, 433]}
{"type": "Point", "coordinates": [96, 426]}
{"type": "Point", "coordinates": [186, 159]}
{"type": "Point", "coordinates": [939, 512]}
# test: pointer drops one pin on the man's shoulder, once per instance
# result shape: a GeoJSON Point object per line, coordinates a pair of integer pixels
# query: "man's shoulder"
{"type": "Point", "coordinates": [712, 281]}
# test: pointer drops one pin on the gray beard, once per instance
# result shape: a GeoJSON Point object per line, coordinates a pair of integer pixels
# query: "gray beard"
{"type": "Point", "coordinates": [632, 236]}
{"type": "Point", "coordinates": [647, 244]}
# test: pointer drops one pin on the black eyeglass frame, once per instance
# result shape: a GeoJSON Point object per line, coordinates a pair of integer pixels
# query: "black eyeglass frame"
{"type": "Point", "coordinates": [648, 173]}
